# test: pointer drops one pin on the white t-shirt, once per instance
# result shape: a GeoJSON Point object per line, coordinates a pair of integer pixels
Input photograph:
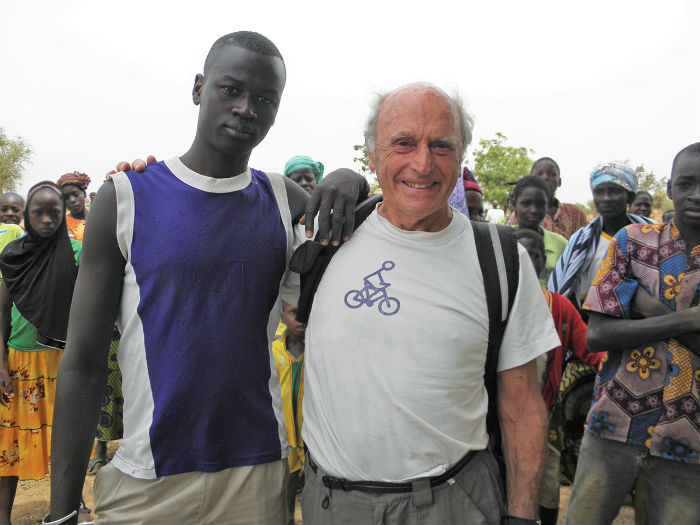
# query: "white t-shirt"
{"type": "Point", "coordinates": [396, 349]}
{"type": "Point", "coordinates": [495, 215]}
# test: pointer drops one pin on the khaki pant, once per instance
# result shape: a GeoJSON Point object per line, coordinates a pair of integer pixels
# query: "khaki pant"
{"type": "Point", "coordinates": [252, 494]}
{"type": "Point", "coordinates": [472, 497]}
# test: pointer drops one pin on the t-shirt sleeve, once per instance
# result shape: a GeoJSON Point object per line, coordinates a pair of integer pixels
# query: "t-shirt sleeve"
{"type": "Point", "coordinates": [613, 289]}
{"type": "Point", "coordinates": [530, 330]}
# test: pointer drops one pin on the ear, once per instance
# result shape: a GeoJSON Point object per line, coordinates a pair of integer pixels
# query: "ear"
{"type": "Point", "coordinates": [197, 88]}
{"type": "Point", "coordinates": [372, 158]}
{"type": "Point", "coordinates": [630, 197]}
{"type": "Point", "coordinates": [669, 193]}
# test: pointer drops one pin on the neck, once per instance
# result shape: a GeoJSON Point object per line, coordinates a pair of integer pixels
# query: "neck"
{"type": "Point", "coordinates": [553, 207]}
{"type": "Point", "coordinates": [79, 216]}
{"type": "Point", "coordinates": [614, 224]}
{"type": "Point", "coordinates": [212, 163]}
{"type": "Point", "coordinates": [435, 222]}
{"type": "Point", "coordinates": [690, 235]}
{"type": "Point", "coordinates": [295, 344]}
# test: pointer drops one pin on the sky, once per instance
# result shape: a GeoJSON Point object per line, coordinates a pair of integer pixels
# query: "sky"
{"type": "Point", "coordinates": [90, 83]}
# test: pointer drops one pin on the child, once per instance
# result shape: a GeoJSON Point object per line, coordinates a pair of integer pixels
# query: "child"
{"type": "Point", "coordinates": [288, 350]}
{"type": "Point", "coordinates": [572, 333]}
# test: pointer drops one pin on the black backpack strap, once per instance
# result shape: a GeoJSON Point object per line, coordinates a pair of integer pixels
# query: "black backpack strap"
{"type": "Point", "coordinates": [497, 249]}
{"type": "Point", "coordinates": [311, 259]}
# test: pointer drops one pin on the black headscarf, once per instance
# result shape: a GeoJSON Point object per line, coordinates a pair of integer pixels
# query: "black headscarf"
{"type": "Point", "coordinates": [40, 274]}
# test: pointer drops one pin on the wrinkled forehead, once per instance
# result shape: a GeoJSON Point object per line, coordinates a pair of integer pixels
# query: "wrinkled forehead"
{"type": "Point", "coordinates": [418, 105]}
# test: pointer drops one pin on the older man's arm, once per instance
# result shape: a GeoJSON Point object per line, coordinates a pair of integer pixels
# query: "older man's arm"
{"type": "Point", "coordinates": [523, 419]}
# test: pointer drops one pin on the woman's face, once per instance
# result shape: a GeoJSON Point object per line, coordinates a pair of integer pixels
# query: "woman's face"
{"type": "Point", "coordinates": [74, 196]}
{"type": "Point", "coordinates": [641, 205]}
{"type": "Point", "coordinates": [45, 210]}
{"type": "Point", "coordinates": [531, 207]}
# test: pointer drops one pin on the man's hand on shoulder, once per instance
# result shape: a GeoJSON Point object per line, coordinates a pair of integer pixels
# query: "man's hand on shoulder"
{"type": "Point", "coordinates": [338, 192]}
{"type": "Point", "coordinates": [138, 165]}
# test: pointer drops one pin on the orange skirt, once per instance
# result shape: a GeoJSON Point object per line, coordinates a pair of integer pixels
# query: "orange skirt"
{"type": "Point", "coordinates": [25, 423]}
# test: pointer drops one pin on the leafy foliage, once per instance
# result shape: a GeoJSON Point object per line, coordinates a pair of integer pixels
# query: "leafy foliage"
{"type": "Point", "coordinates": [363, 161]}
{"type": "Point", "coordinates": [647, 181]}
{"type": "Point", "coordinates": [14, 153]}
{"type": "Point", "coordinates": [496, 164]}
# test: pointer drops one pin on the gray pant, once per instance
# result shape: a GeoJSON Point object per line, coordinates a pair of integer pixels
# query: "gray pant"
{"type": "Point", "coordinates": [473, 496]}
{"type": "Point", "coordinates": [606, 472]}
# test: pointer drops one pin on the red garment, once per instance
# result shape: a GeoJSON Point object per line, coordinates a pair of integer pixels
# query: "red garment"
{"type": "Point", "coordinates": [572, 333]}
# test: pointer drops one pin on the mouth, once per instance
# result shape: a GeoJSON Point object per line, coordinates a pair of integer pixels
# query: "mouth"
{"type": "Point", "coordinates": [240, 132]}
{"type": "Point", "coordinates": [418, 186]}
{"type": "Point", "coordinates": [692, 212]}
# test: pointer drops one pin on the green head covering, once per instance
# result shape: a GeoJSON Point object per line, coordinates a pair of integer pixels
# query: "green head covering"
{"type": "Point", "coordinates": [302, 161]}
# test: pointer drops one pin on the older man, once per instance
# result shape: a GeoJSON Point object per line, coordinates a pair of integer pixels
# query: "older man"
{"type": "Point", "coordinates": [395, 398]}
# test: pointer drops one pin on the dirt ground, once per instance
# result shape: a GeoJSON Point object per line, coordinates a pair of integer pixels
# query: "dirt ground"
{"type": "Point", "coordinates": [32, 501]}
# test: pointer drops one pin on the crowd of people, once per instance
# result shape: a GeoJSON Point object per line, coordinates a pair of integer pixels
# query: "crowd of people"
{"type": "Point", "coordinates": [248, 335]}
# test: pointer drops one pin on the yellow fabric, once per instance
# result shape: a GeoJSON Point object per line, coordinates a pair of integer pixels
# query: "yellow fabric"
{"type": "Point", "coordinates": [25, 428]}
{"type": "Point", "coordinates": [283, 361]}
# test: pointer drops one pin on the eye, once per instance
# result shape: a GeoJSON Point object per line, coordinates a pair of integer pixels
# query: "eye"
{"type": "Point", "coordinates": [265, 101]}
{"type": "Point", "coordinates": [231, 91]}
{"type": "Point", "coordinates": [442, 147]}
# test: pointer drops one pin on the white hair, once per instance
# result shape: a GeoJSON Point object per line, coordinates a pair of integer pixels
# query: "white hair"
{"type": "Point", "coordinates": [462, 117]}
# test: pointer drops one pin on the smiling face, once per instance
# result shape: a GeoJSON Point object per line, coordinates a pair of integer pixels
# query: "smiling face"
{"type": "Point", "coordinates": [11, 208]}
{"type": "Point", "coordinates": [611, 200]}
{"type": "Point", "coordinates": [684, 190]}
{"type": "Point", "coordinates": [641, 205]}
{"type": "Point", "coordinates": [531, 207]}
{"type": "Point", "coordinates": [238, 99]}
{"type": "Point", "coordinates": [549, 173]}
{"type": "Point", "coordinates": [45, 211]}
{"type": "Point", "coordinates": [417, 158]}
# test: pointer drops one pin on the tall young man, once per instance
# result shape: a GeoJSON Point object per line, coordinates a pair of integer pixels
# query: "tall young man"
{"type": "Point", "coordinates": [190, 255]}
{"type": "Point", "coordinates": [645, 416]}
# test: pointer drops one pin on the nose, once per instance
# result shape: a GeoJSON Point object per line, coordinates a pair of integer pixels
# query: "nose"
{"type": "Point", "coordinates": [245, 107]}
{"type": "Point", "coordinates": [422, 159]}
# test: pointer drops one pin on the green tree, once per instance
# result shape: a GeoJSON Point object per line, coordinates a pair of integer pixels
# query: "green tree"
{"type": "Point", "coordinates": [363, 161]}
{"type": "Point", "coordinates": [647, 181]}
{"type": "Point", "coordinates": [496, 164]}
{"type": "Point", "coordinates": [14, 154]}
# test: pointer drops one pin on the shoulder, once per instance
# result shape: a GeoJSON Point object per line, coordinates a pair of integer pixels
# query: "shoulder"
{"type": "Point", "coordinates": [572, 209]}
{"type": "Point", "coordinates": [555, 238]}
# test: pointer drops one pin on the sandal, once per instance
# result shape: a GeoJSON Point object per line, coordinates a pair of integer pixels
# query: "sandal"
{"type": "Point", "coordinates": [95, 465]}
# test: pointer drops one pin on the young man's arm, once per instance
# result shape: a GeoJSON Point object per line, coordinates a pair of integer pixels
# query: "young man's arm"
{"type": "Point", "coordinates": [82, 374]}
{"type": "Point", "coordinates": [6, 393]}
{"type": "Point", "coordinates": [613, 334]}
{"type": "Point", "coordinates": [523, 420]}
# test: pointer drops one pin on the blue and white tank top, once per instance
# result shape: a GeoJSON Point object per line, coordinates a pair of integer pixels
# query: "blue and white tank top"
{"type": "Point", "coordinates": [205, 260]}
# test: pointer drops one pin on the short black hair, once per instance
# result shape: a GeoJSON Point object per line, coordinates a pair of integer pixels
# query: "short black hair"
{"type": "Point", "coordinates": [530, 181]}
{"type": "Point", "coordinates": [13, 195]}
{"type": "Point", "coordinates": [693, 149]}
{"type": "Point", "coordinates": [250, 40]}
{"type": "Point", "coordinates": [536, 238]}
{"type": "Point", "coordinates": [643, 192]}
{"type": "Point", "coordinates": [542, 160]}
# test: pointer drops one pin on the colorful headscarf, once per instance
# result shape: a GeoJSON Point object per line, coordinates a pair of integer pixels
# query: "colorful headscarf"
{"type": "Point", "coordinates": [302, 161]}
{"type": "Point", "coordinates": [616, 173]}
{"type": "Point", "coordinates": [76, 178]}
{"type": "Point", "coordinates": [470, 181]}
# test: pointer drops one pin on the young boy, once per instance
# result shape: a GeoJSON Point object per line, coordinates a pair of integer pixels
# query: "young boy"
{"type": "Point", "coordinates": [572, 332]}
{"type": "Point", "coordinates": [288, 351]}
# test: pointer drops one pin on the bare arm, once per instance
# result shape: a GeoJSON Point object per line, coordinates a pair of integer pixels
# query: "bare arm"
{"type": "Point", "coordinates": [611, 333]}
{"type": "Point", "coordinates": [6, 393]}
{"type": "Point", "coordinates": [82, 374]}
{"type": "Point", "coordinates": [523, 419]}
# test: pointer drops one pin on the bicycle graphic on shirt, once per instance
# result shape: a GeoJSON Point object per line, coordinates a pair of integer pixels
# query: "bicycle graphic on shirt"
{"type": "Point", "coordinates": [375, 291]}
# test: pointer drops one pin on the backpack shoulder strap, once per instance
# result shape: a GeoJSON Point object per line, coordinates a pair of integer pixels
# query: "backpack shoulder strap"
{"type": "Point", "coordinates": [497, 250]}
